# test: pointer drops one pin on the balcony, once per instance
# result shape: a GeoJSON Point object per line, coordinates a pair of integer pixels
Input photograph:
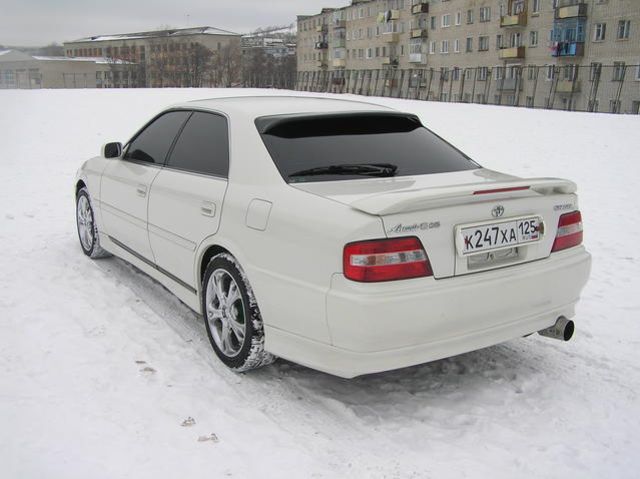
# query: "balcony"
{"type": "Point", "coordinates": [339, 42]}
{"type": "Point", "coordinates": [389, 60]}
{"type": "Point", "coordinates": [322, 28]}
{"type": "Point", "coordinates": [567, 86]}
{"type": "Point", "coordinates": [511, 53]}
{"type": "Point", "coordinates": [391, 37]}
{"type": "Point", "coordinates": [519, 20]}
{"type": "Point", "coordinates": [339, 63]}
{"type": "Point", "coordinates": [572, 11]}
{"type": "Point", "coordinates": [419, 33]}
{"type": "Point", "coordinates": [339, 24]}
{"type": "Point", "coordinates": [321, 45]}
{"type": "Point", "coordinates": [322, 64]}
{"type": "Point", "coordinates": [422, 7]}
{"type": "Point", "coordinates": [388, 15]}
{"type": "Point", "coordinates": [568, 49]}
{"type": "Point", "coordinates": [417, 58]}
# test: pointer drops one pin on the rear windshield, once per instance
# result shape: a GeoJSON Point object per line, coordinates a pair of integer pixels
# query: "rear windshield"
{"type": "Point", "coordinates": [349, 146]}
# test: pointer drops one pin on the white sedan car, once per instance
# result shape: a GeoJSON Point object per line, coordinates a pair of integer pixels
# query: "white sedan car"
{"type": "Point", "coordinates": [341, 235]}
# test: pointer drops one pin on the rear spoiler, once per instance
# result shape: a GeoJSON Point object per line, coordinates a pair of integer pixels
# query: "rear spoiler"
{"type": "Point", "coordinates": [406, 201]}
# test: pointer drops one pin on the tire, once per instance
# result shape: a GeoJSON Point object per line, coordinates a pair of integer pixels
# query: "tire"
{"type": "Point", "coordinates": [87, 226]}
{"type": "Point", "coordinates": [233, 323]}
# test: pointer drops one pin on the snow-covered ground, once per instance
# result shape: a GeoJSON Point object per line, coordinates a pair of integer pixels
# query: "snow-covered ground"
{"type": "Point", "coordinates": [100, 365]}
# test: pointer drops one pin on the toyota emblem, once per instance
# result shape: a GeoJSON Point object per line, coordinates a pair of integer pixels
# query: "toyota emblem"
{"type": "Point", "coordinates": [497, 211]}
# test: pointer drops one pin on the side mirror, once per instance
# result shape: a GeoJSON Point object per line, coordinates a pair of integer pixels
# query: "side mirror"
{"type": "Point", "coordinates": [112, 150]}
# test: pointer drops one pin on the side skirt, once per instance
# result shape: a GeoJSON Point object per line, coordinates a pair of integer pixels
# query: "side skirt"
{"type": "Point", "coordinates": [185, 292]}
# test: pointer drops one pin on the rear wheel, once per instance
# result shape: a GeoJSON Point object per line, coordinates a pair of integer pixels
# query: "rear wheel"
{"type": "Point", "coordinates": [87, 227]}
{"type": "Point", "coordinates": [232, 317]}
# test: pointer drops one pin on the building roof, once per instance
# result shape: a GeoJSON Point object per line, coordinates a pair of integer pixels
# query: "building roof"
{"type": "Point", "coordinates": [82, 59]}
{"type": "Point", "coordinates": [173, 32]}
{"type": "Point", "coordinates": [18, 56]}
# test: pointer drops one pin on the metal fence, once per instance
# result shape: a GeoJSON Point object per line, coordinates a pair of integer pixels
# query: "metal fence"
{"type": "Point", "coordinates": [596, 88]}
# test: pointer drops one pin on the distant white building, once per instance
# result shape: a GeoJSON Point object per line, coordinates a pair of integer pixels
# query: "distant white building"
{"type": "Point", "coordinates": [165, 58]}
{"type": "Point", "coordinates": [21, 70]}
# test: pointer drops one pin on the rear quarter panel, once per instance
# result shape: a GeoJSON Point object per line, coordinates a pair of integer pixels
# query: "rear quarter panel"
{"type": "Point", "coordinates": [290, 263]}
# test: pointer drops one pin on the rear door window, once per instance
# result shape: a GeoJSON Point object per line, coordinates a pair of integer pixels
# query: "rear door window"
{"type": "Point", "coordinates": [203, 146]}
{"type": "Point", "coordinates": [152, 144]}
{"type": "Point", "coordinates": [348, 146]}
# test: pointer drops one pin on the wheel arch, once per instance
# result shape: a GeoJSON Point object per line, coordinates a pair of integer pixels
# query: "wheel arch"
{"type": "Point", "coordinates": [208, 253]}
{"type": "Point", "coordinates": [79, 185]}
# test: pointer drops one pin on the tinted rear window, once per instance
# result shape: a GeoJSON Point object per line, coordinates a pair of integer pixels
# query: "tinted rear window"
{"type": "Point", "coordinates": [203, 146]}
{"type": "Point", "coordinates": [299, 143]}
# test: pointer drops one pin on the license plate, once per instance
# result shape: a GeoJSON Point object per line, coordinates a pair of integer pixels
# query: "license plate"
{"type": "Point", "coordinates": [484, 237]}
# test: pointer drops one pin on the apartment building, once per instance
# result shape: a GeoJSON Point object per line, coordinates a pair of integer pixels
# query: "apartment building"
{"type": "Point", "coordinates": [24, 71]}
{"type": "Point", "coordinates": [479, 37]}
{"type": "Point", "coordinates": [163, 58]}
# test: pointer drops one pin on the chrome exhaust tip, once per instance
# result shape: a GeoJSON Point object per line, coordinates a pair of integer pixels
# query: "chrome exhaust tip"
{"type": "Point", "coordinates": [562, 330]}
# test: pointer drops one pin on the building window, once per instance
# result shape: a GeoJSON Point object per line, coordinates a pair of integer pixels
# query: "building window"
{"type": "Point", "coordinates": [433, 23]}
{"type": "Point", "coordinates": [499, 42]}
{"type": "Point", "coordinates": [446, 20]}
{"type": "Point", "coordinates": [599, 32]}
{"type": "Point", "coordinates": [432, 47]}
{"type": "Point", "coordinates": [485, 14]}
{"type": "Point", "coordinates": [483, 44]}
{"type": "Point", "coordinates": [595, 71]}
{"type": "Point", "coordinates": [458, 18]}
{"type": "Point", "coordinates": [551, 72]}
{"type": "Point", "coordinates": [456, 46]}
{"type": "Point", "coordinates": [516, 40]}
{"type": "Point", "coordinates": [455, 75]}
{"type": "Point", "coordinates": [469, 44]}
{"type": "Point", "coordinates": [614, 106]}
{"type": "Point", "coordinates": [444, 48]}
{"type": "Point", "coordinates": [469, 17]}
{"type": "Point", "coordinates": [483, 73]}
{"type": "Point", "coordinates": [619, 69]}
{"type": "Point", "coordinates": [623, 29]}
{"type": "Point", "coordinates": [535, 6]}
{"type": "Point", "coordinates": [533, 39]}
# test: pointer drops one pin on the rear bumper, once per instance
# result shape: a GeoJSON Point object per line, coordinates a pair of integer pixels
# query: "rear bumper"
{"type": "Point", "coordinates": [382, 326]}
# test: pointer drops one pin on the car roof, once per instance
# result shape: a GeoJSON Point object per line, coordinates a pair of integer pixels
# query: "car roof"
{"type": "Point", "coordinates": [257, 106]}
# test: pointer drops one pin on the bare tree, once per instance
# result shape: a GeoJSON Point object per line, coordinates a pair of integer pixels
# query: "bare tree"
{"type": "Point", "coordinates": [197, 63]}
{"type": "Point", "coordinates": [227, 66]}
{"type": "Point", "coordinates": [51, 50]}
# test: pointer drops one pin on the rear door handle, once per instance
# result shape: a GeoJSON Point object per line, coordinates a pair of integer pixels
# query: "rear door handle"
{"type": "Point", "coordinates": [207, 208]}
{"type": "Point", "coordinates": [141, 190]}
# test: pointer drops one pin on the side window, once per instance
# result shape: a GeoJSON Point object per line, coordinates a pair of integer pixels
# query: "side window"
{"type": "Point", "coordinates": [153, 143]}
{"type": "Point", "coordinates": [203, 146]}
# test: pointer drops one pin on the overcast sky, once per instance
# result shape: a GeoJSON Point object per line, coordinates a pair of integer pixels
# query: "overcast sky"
{"type": "Point", "coordinates": [39, 22]}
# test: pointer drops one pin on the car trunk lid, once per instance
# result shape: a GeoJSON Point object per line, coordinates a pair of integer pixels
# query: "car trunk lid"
{"type": "Point", "coordinates": [444, 209]}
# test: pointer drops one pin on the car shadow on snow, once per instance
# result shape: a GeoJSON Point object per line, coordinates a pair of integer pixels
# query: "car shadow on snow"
{"type": "Point", "coordinates": [495, 375]}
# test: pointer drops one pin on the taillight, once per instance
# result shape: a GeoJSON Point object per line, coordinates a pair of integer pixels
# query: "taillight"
{"type": "Point", "coordinates": [385, 260]}
{"type": "Point", "coordinates": [569, 231]}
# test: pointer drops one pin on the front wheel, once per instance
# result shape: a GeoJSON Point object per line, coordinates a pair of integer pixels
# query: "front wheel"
{"type": "Point", "coordinates": [87, 228]}
{"type": "Point", "coordinates": [232, 317]}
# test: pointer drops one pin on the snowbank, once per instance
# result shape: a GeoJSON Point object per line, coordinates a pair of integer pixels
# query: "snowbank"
{"type": "Point", "coordinates": [100, 366]}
